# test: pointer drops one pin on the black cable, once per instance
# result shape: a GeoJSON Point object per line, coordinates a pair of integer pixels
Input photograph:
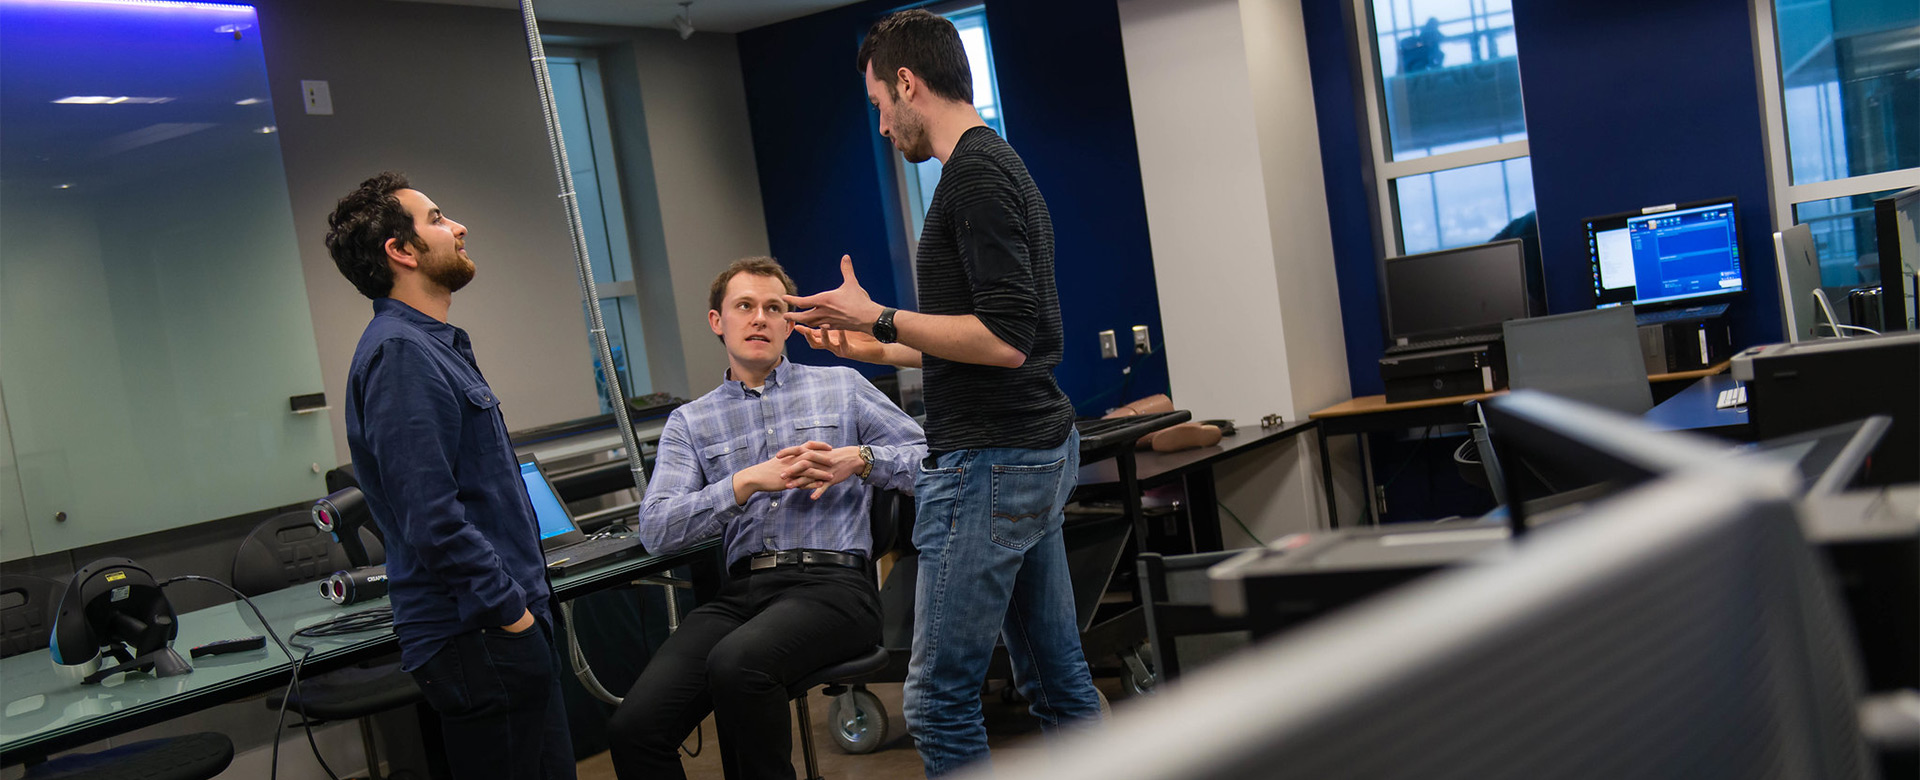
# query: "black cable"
{"type": "Point", "coordinates": [1409, 459]}
{"type": "Point", "coordinates": [1126, 380]}
{"type": "Point", "coordinates": [1236, 521]}
{"type": "Point", "coordinates": [293, 685]}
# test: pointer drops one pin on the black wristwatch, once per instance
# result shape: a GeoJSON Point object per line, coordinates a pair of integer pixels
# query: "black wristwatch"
{"type": "Point", "coordinates": [883, 331]}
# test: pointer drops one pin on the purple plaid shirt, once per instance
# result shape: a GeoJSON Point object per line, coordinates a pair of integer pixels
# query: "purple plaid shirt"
{"type": "Point", "coordinates": [731, 428]}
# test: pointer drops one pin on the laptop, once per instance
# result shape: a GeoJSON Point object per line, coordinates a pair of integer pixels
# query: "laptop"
{"type": "Point", "coordinates": [1589, 356]}
{"type": "Point", "coordinates": [567, 550]}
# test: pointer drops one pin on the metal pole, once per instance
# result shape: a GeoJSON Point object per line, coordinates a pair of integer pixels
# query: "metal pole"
{"type": "Point", "coordinates": [596, 325]}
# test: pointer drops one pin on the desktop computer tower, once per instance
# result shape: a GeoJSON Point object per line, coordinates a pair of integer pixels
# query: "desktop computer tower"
{"type": "Point", "coordinates": [1686, 345]}
{"type": "Point", "coordinates": [1813, 384]}
{"type": "Point", "coordinates": [1481, 368]}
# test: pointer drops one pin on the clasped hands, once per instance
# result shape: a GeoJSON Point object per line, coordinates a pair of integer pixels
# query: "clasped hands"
{"type": "Point", "coordinates": [817, 465]}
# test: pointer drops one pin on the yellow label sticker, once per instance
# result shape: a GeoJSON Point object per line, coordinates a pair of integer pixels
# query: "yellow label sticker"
{"type": "Point", "coordinates": [116, 576]}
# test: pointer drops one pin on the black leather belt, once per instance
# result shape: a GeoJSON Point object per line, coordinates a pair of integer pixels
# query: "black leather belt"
{"type": "Point", "coordinates": [773, 560]}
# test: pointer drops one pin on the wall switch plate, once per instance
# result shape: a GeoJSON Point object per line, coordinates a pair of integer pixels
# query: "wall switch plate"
{"type": "Point", "coordinates": [318, 99]}
{"type": "Point", "coordinates": [1141, 344]}
{"type": "Point", "coordinates": [1109, 346]}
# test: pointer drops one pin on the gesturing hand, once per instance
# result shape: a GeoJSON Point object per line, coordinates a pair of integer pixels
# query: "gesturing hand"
{"type": "Point", "coordinates": [850, 344]}
{"type": "Point", "coordinates": [847, 307]}
{"type": "Point", "coordinates": [820, 465]}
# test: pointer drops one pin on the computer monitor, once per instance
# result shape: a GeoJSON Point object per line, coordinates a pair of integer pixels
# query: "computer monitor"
{"type": "Point", "coordinates": [1896, 220]}
{"type": "Point", "coordinates": [1803, 305]}
{"type": "Point", "coordinates": [1666, 254]}
{"type": "Point", "coordinates": [1455, 292]}
{"type": "Point", "coordinates": [1684, 629]}
{"type": "Point", "coordinates": [1590, 356]}
{"type": "Point", "coordinates": [556, 523]}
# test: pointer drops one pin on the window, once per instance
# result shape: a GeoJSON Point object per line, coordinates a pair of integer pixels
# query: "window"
{"type": "Point", "coordinates": [580, 100]}
{"type": "Point", "coordinates": [920, 179]}
{"type": "Point", "coordinates": [1843, 122]}
{"type": "Point", "coordinates": [1446, 120]}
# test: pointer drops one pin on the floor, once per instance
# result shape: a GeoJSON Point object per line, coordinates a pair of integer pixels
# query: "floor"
{"type": "Point", "coordinates": [1010, 731]}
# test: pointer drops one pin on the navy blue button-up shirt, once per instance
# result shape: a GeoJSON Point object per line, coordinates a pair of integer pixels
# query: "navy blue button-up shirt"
{"type": "Point", "coordinates": [430, 450]}
{"type": "Point", "coordinates": [734, 427]}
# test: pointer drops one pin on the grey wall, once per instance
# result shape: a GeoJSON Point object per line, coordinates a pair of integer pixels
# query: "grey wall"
{"type": "Point", "coordinates": [679, 111]}
{"type": "Point", "coordinates": [444, 94]}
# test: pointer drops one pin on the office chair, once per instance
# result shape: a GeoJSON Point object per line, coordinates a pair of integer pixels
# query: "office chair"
{"type": "Point", "coordinates": [857, 718]}
{"type": "Point", "coordinates": [288, 550]}
{"type": "Point", "coordinates": [1176, 599]}
{"type": "Point", "coordinates": [27, 604]}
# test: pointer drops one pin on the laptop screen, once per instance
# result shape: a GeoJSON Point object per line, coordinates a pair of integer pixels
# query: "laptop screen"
{"type": "Point", "coordinates": [547, 508]}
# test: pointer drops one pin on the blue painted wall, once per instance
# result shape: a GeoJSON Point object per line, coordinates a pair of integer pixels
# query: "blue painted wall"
{"type": "Point", "coordinates": [1343, 155]}
{"type": "Point", "coordinates": [1633, 103]}
{"type": "Point", "coordinates": [827, 180]}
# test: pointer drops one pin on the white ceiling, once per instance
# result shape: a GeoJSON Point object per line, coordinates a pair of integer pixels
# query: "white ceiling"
{"type": "Point", "coordinates": [729, 16]}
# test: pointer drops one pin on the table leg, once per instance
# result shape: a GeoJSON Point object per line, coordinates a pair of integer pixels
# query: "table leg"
{"type": "Point", "coordinates": [1130, 496]}
{"type": "Point", "coordinates": [1326, 477]}
{"type": "Point", "coordinates": [1370, 499]}
{"type": "Point", "coordinates": [1203, 511]}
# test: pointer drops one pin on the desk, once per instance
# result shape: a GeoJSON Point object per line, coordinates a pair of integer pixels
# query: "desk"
{"type": "Point", "coordinates": [1369, 414]}
{"type": "Point", "coordinates": [1693, 409]}
{"type": "Point", "coordinates": [1194, 468]}
{"type": "Point", "coordinates": [44, 714]}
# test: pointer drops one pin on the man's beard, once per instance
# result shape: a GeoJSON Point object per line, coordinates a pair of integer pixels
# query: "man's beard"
{"type": "Point", "coordinates": [911, 129]}
{"type": "Point", "coordinates": [451, 271]}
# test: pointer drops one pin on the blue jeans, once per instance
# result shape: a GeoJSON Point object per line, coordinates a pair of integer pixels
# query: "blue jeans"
{"type": "Point", "coordinates": [499, 702]}
{"type": "Point", "coordinates": [992, 563]}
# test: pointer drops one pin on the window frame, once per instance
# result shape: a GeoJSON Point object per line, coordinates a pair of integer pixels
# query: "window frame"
{"type": "Point", "coordinates": [1386, 170]}
{"type": "Point", "coordinates": [1783, 193]}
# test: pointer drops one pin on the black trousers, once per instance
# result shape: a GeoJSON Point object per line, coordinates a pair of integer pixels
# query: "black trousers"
{"type": "Point", "coordinates": [734, 657]}
{"type": "Point", "coordinates": [499, 703]}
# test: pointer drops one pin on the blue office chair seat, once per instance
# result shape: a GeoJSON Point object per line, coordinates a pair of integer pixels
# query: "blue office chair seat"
{"type": "Point", "coordinates": [351, 693]}
{"type": "Point", "coordinates": [857, 720]}
{"type": "Point", "coordinates": [192, 757]}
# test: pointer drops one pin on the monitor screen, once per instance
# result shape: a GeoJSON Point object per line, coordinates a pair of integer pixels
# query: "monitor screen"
{"type": "Point", "coordinates": [1456, 291]}
{"type": "Point", "coordinates": [1672, 253]}
{"type": "Point", "coordinates": [547, 508]}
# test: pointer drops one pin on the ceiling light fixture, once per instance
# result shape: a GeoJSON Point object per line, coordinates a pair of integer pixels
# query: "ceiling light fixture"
{"type": "Point", "coordinates": [104, 100]}
{"type": "Point", "coordinates": [248, 102]}
{"type": "Point", "coordinates": [684, 22]}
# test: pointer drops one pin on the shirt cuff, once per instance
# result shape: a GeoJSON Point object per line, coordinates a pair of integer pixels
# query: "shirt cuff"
{"type": "Point", "coordinates": [720, 499]}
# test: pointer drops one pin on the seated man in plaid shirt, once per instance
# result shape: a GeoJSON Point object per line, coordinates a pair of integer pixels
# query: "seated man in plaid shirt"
{"type": "Point", "coordinates": [779, 460]}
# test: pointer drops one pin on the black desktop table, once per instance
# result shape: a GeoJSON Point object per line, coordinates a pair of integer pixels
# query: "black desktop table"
{"type": "Point", "coordinates": [42, 714]}
{"type": "Point", "coordinates": [1193, 468]}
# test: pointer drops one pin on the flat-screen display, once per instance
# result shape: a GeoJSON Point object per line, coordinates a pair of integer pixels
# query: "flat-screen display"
{"type": "Point", "coordinates": [1456, 291]}
{"type": "Point", "coordinates": [1664, 254]}
{"type": "Point", "coordinates": [547, 508]}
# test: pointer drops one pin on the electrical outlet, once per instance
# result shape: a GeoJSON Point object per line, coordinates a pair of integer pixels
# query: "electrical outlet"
{"type": "Point", "coordinates": [1109, 346]}
{"type": "Point", "coordinates": [318, 98]}
{"type": "Point", "coordinates": [1141, 344]}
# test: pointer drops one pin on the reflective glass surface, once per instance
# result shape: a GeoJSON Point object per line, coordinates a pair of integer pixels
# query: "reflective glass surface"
{"type": "Point", "coordinates": [1465, 206]}
{"type": "Point", "coordinates": [1449, 75]}
{"type": "Point", "coordinates": [1850, 78]}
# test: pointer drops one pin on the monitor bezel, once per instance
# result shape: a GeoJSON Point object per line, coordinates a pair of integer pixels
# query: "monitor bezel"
{"type": "Point", "coordinates": [1386, 293]}
{"type": "Point", "coordinates": [1622, 218]}
{"type": "Point", "coordinates": [572, 536]}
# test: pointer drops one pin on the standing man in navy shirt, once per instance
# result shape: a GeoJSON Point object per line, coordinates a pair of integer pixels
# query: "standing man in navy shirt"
{"type": "Point", "coordinates": [467, 578]}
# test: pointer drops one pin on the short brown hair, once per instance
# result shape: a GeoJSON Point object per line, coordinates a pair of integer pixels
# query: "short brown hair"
{"type": "Point", "coordinates": [758, 266]}
{"type": "Point", "coordinates": [358, 229]}
{"type": "Point", "coordinates": [922, 42]}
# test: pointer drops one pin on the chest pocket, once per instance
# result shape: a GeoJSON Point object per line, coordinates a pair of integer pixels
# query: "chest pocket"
{"type": "Point", "coordinates": [822, 428]}
{"type": "Point", "coordinates": [726, 457]}
{"type": "Point", "coordinates": [485, 429]}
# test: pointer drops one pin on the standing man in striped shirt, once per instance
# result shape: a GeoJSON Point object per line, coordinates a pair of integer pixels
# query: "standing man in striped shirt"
{"type": "Point", "coordinates": [1005, 453]}
{"type": "Point", "coordinates": [778, 461]}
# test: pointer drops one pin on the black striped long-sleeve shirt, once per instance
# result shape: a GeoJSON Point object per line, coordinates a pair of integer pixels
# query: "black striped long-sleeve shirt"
{"type": "Point", "coordinates": [987, 250]}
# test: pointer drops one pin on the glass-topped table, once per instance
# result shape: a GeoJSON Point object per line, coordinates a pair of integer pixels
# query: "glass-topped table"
{"type": "Point", "coordinates": [42, 712]}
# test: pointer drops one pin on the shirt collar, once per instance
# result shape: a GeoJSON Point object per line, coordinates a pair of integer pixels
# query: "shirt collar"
{"type": "Point", "coordinates": [388, 307]}
{"type": "Point", "coordinates": [738, 389]}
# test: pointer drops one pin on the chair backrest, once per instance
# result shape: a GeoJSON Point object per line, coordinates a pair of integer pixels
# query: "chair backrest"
{"type": "Point", "coordinates": [283, 551]}
{"type": "Point", "coordinates": [27, 604]}
{"type": "Point", "coordinates": [891, 519]}
{"type": "Point", "coordinates": [1590, 356]}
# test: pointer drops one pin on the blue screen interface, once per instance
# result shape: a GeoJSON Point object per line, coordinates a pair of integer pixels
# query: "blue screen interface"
{"type": "Point", "coordinates": [1685, 254]}
{"type": "Point", "coordinates": [547, 508]}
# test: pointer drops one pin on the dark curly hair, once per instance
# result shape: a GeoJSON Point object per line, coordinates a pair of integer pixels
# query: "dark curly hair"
{"type": "Point", "coordinates": [358, 229]}
{"type": "Point", "coordinates": [922, 42]}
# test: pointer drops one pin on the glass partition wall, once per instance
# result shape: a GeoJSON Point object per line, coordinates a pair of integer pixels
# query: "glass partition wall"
{"type": "Point", "coordinates": [154, 321]}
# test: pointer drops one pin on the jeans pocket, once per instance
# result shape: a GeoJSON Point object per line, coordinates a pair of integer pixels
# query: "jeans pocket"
{"type": "Point", "coordinates": [1023, 502]}
{"type": "Point", "coordinates": [936, 498]}
{"type": "Point", "coordinates": [443, 681]}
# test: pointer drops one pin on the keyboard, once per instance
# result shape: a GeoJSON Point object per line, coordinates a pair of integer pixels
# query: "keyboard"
{"type": "Point", "coordinates": [1446, 343]}
{"type": "Point", "coordinates": [1097, 434]}
{"type": "Point", "coordinates": [1732, 397]}
{"type": "Point", "coordinates": [590, 553]}
{"type": "Point", "coordinates": [1679, 315]}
